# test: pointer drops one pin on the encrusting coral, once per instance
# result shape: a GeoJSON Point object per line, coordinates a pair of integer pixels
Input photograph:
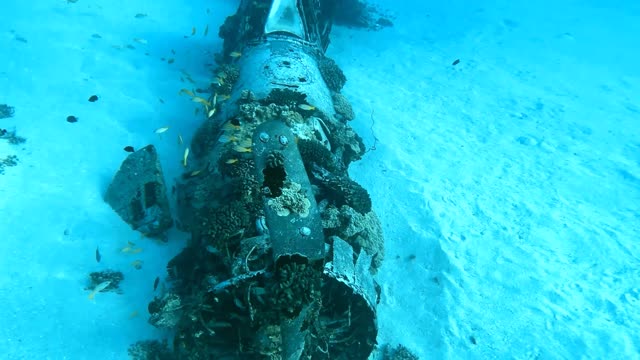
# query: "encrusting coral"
{"type": "Point", "coordinates": [292, 200]}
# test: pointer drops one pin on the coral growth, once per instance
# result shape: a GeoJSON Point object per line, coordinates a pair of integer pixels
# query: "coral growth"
{"type": "Point", "coordinates": [331, 73]}
{"type": "Point", "coordinates": [342, 107]}
{"type": "Point", "coordinates": [6, 111]}
{"type": "Point", "coordinates": [220, 224]}
{"type": "Point", "coordinates": [292, 200]}
{"type": "Point", "coordinates": [362, 231]}
{"type": "Point", "coordinates": [166, 311]}
{"type": "Point", "coordinates": [344, 191]}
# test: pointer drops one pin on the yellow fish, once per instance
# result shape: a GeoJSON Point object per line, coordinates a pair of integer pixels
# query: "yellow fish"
{"type": "Point", "coordinates": [206, 30]}
{"type": "Point", "coordinates": [235, 54]}
{"type": "Point", "coordinates": [200, 100]}
{"type": "Point", "coordinates": [231, 161]}
{"type": "Point", "coordinates": [225, 97]}
{"type": "Point", "coordinates": [193, 31]}
{"type": "Point", "coordinates": [211, 112]}
{"type": "Point", "coordinates": [98, 288]}
{"type": "Point", "coordinates": [184, 157]}
{"type": "Point", "coordinates": [230, 127]}
{"type": "Point", "coordinates": [161, 130]}
{"type": "Point", "coordinates": [186, 92]}
{"type": "Point", "coordinates": [227, 138]}
{"type": "Point", "coordinates": [133, 314]}
{"type": "Point", "coordinates": [241, 149]}
{"type": "Point", "coordinates": [195, 173]}
{"type": "Point", "coordinates": [247, 142]}
{"type": "Point", "coordinates": [306, 107]}
{"type": "Point", "coordinates": [140, 41]}
{"type": "Point", "coordinates": [137, 264]}
{"type": "Point", "coordinates": [180, 139]}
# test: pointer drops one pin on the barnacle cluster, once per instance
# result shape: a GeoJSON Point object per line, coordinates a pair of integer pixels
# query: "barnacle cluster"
{"type": "Point", "coordinates": [332, 74]}
{"type": "Point", "coordinates": [292, 200]}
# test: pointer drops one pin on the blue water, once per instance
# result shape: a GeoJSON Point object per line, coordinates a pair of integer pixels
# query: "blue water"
{"type": "Point", "coordinates": [508, 185]}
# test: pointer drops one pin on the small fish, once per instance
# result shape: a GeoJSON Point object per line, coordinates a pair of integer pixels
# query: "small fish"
{"type": "Point", "coordinates": [96, 36]}
{"type": "Point", "coordinates": [247, 142]}
{"type": "Point", "coordinates": [306, 107]}
{"type": "Point", "coordinates": [161, 130]}
{"type": "Point", "coordinates": [456, 62]}
{"type": "Point", "coordinates": [195, 173]}
{"type": "Point", "coordinates": [196, 111]}
{"type": "Point", "coordinates": [129, 249]}
{"type": "Point", "coordinates": [241, 149]}
{"type": "Point", "coordinates": [180, 141]}
{"type": "Point", "coordinates": [184, 157]}
{"type": "Point", "coordinates": [72, 119]}
{"type": "Point", "coordinates": [155, 283]}
{"type": "Point", "coordinates": [98, 288]}
{"type": "Point", "coordinates": [131, 243]}
{"type": "Point", "coordinates": [161, 101]}
{"type": "Point", "coordinates": [215, 100]}
{"type": "Point", "coordinates": [212, 249]}
{"type": "Point", "coordinates": [93, 98]}
{"type": "Point", "coordinates": [137, 264]}
{"type": "Point", "coordinates": [225, 97]}
{"type": "Point", "coordinates": [129, 148]}
{"type": "Point", "coordinates": [231, 161]}
{"type": "Point", "coordinates": [98, 256]}
{"type": "Point", "coordinates": [200, 100]}
{"type": "Point", "coordinates": [133, 314]}
{"type": "Point", "coordinates": [186, 92]}
{"type": "Point", "coordinates": [193, 31]}
{"type": "Point", "coordinates": [140, 15]}
{"type": "Point", "coordinates": [171, 61]}
{"type": "Point", "coordinates": [235, 54]}
{"type": "Point", "coordinates": [206, 30]}
{"type": "Point", "coordinates": [141, 41]}
{"type": "Point", "coordinates": [211, 112]}
{"type": "Point", "coordinates": [226, 139]}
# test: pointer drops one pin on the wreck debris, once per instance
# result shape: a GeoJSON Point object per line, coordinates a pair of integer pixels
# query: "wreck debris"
{"type": "Point", "coordinates": [138, 193]}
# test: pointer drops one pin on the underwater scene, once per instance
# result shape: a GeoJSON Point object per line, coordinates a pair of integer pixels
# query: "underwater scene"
{"type": "Point", "coordinates": [319, 179]}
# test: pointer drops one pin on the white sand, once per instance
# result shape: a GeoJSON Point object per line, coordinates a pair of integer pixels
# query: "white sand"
{"type": "Point", "coordinates": [513, 177]}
